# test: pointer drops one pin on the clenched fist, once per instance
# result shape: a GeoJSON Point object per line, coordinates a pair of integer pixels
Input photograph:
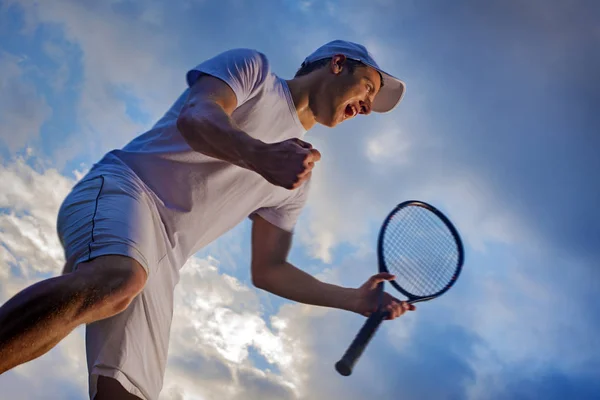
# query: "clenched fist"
{"type": "Point", "coordinates": [287, 164]}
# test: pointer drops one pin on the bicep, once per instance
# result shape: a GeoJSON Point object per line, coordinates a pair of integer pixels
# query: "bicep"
{"type": "Point", "coordinates": [270, 246]}
{"type": "Point", "coordinates": [209, 90]}
{"type": "Point", "coordinates": [227, 80]}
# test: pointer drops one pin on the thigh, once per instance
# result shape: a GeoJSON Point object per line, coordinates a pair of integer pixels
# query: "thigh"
{"type": "Point", "coordinates": [111, 389]}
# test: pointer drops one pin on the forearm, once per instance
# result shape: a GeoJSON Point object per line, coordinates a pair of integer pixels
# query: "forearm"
{"type": "Point", "coordinates": [287, 281]}
{"type": "Point", "coordinates": [209, 130]}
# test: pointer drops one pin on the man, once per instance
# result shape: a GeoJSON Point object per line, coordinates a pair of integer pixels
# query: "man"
{"type": "Point", "coordinates": [229, 148]}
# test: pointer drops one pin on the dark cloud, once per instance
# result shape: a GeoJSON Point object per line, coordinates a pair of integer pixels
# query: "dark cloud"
{"type": "Point", "coordinates": [435, 364]}
{"type": "Point", "coordinates": [500, 93]}
{"type": "Point", "coordinates": [550, 383]}
{"type": "Point", "coordinates": [432, 359]}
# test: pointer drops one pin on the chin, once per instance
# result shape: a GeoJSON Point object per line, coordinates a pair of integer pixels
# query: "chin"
{"type": "Point", "coordinates": [336, 119]}
{"type": "Point", "coordinates": [330, 119]}
{"type": "Point", "coordinates": [329, 122]}
{"type": "Point", "coordinates": [332, 124]}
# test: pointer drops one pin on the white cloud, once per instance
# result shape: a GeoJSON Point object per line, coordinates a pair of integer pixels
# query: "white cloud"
{"type": "Point", "coordinates": [22, 109]}
{"type": "Point", "coordinates": [118, 57]}
{"type": "Point", "coordinates": [388, 147]}
{"type": "Point", "coordinates": [28, 229]}
{"type": "Point", "coordinates": [29, 252]}
{"type": "Point", "coordinates": [217, 319]}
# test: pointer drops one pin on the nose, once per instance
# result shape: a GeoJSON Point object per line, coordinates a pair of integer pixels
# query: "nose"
{"type": "Point", "coordinates": [365, 107]}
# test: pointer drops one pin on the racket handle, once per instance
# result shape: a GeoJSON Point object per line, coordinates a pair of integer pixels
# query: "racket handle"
{"type": "Point", "coordinates": [358, 345]}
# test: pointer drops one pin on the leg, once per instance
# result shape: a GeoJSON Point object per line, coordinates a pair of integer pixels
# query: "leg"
{"type": "Point", "coordinates": [113, 214]}
{"type": "Point", "coordinates": [111, 389]}
{"type": "Point", "coordinates": [37, 318]}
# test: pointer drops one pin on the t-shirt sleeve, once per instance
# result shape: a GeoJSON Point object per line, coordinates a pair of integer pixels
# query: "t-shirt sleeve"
{"type": "Point", "coordinates": [244, 70]}
{"type": "Point", "coordinates": [286, 214]}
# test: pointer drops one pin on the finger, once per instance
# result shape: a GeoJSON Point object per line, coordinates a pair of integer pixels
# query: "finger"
{"type": "Point", "coordinates": [406, 306]}
{"type": "Point", "coordinates": [390, 312]}
{"type": "Point", "coordinates": [398, 311]}
{"type": "Point", "coordinates": [394, 310]}
{"type": "Point", "coordinates": [307, 170]}
{"type": "Point", "coordinates": [301, 180]}
{"type": "Point", "coordinates": [314, 155]}
{"type": "Point", "coordinates": [401, 309]}
{"type": "Point", "coordinates": [398, 308]}
{"type": "Point", "coordinates": [308, 159]}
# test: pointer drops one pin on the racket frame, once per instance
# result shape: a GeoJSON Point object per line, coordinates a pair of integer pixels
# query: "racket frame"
{"type": "Point", "coordinates": [346, 364]}
{"type": "Point", "coordinates": [381, 259]}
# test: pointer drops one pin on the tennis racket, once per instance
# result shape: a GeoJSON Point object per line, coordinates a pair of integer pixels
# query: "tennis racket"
{"type": "Point", "coordinates": [420, 246]}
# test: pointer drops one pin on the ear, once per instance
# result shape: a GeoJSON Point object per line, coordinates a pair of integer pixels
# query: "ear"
{"type": "Point", "coordinates": [337, 63]}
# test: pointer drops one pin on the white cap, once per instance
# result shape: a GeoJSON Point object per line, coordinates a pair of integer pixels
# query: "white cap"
{"type": "Point", "coordinates": [393, 88]}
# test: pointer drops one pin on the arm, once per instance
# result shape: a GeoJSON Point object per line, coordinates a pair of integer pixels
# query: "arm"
{"type": "Point", "coordinates": [205, 123]}
{"type": "Point", "coordinates": [272, 272]}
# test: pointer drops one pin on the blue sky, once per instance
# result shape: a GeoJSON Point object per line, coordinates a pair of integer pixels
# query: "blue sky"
{"type": "Point", "coordinates": [499, 128]}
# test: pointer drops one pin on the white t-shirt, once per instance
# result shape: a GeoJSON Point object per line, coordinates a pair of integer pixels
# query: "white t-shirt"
{"type": "Point", "coordinates": [198, 197]}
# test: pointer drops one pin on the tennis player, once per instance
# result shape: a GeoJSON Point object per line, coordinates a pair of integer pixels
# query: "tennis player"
{"type": "Point", "coordinates": [231, 147]}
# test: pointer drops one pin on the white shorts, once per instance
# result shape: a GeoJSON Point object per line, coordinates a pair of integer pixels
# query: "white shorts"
{"type": "Point", "coordinates": [112, 213]}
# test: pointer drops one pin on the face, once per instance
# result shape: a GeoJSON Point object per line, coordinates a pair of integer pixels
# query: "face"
{"type": "Point", "coordinates": [345, 94]}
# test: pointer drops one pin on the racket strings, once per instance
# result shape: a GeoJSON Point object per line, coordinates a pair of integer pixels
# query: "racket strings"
{"type": "Point", "coordinates": [409, 273]}
{"type": "Point", "coordinates": [420, 250]}
{"type": "Point", "coordinates": [419, 262]}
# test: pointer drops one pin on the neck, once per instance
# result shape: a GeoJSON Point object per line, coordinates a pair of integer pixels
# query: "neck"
{"type": "Point", "coordinates": [301, 88]}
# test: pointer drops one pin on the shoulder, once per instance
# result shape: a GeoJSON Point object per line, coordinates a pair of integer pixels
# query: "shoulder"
{"type": "Point", "coordinates": [244, 70]}
{"type": "Point", "coordinates": [245, 58]}
{"type": "Point", "coordinates": [241, 62]}
{"type": "Point", "coordinates": [246, 53]}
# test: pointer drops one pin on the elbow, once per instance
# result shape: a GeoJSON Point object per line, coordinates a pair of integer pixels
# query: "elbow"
{"type": "Point", "coordinates": [259, 279]}
{"type": "Point", "coordinates": [259, 282]}
{"type": "Point", "coordinates": [193, 128]}
{"type": "Point", "coordinates": [196, 117]}
{"type": "Point", "coordinates": [196, 124]}
{"type": "Point", "coordinates": [185, 124]}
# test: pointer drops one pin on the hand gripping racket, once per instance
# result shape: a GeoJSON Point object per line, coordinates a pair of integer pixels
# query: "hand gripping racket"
{"type": "Point", "coordinates": [420, 246]}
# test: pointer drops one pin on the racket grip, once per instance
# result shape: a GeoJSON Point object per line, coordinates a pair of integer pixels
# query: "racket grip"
{"type": "Point", "coordinates": [346, 364]}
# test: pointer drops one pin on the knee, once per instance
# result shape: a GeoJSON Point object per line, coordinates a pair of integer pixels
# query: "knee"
{"type": "Point", "coordinates": [114, 280]}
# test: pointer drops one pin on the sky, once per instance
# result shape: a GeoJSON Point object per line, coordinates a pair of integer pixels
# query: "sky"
{"type": "Point", "coordinates": [499, 128]}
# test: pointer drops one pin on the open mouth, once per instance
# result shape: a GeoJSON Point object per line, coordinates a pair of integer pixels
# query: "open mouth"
{"type": "Point", "coordinates": [350, 111]}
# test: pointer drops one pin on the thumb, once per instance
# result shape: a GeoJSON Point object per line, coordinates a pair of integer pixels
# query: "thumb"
{"type": "Point", "coordinates": [380, 277]}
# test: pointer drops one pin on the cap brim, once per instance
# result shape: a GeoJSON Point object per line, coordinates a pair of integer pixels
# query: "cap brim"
{"type": "Point", "coordinates": [390, 94]}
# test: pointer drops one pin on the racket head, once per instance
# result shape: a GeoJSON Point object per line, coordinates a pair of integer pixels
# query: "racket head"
{"type": "Point", "coordinates": [420, 246]}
